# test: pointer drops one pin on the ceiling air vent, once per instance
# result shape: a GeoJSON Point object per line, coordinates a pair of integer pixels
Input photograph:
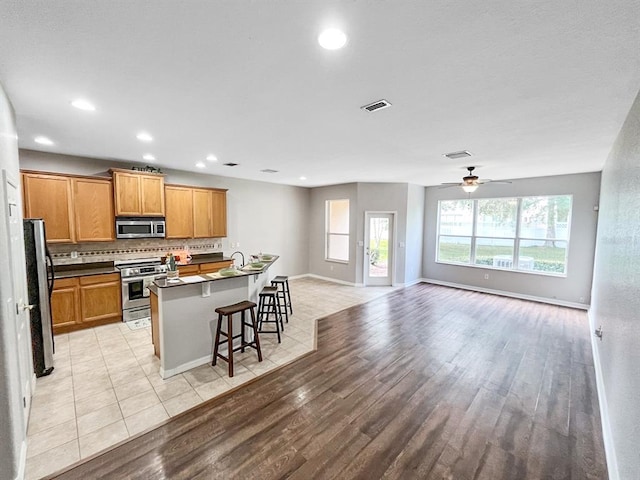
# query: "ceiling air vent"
{"type": "Point", "coordinates": [460, 154]}
{"type": "Point", "coordinates": [269, 170]}
{"type": "Point", "coordinates": [379, 105]}
{"type": "Point", "coordinates": [230, 164]}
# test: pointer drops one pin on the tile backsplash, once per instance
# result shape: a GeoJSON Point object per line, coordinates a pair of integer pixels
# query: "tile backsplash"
{"type": "Point", "coordinates": [69, 254]}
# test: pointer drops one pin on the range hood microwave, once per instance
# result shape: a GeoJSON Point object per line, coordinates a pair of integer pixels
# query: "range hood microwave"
{"type": "Point", "coordinates": [140, 227]}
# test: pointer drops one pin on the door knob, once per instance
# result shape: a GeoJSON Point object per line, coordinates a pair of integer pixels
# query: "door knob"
{"type": "Point", "coordinates": [23, 307]}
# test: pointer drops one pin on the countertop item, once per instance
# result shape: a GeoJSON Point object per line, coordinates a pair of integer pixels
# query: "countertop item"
{"type": "Point", "coordinates": [206, 258]}
{"type": "Point", "coordinates": [208, 277]}
{"type": "Point", "coordinates": [84, 269]}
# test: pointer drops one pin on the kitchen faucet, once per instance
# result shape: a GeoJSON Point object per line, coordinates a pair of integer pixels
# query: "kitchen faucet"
{"type": "Point", "coordinates": [241, 254]}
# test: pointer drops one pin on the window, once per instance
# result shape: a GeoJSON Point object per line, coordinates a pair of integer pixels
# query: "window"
{"type": "Point", "coordinates": [337, 230]}
{"type": "Point", "coordinates": [492, 233]}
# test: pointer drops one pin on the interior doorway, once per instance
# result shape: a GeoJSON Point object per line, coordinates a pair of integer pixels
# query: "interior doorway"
{"type": "Point", "coordinates": [379, 249]}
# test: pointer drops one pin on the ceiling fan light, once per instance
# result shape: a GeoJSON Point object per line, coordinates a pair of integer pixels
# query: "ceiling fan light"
{"type": "Point", "coordinates": [469, 188]}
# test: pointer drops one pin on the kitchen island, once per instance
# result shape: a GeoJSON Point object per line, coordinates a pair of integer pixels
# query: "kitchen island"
{"type": "Point", "coordinates": [183, 318]}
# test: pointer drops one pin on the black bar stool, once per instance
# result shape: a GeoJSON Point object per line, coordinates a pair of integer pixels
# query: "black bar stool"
{"type": "Point", "coordinates": [283, 295]}
{"type": "Point", "coordinates": [228, 311]}
{"type": "Point", "coordinates": [269, 311]}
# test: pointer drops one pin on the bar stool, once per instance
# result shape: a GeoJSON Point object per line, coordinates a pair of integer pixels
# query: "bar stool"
{"type": "Point", "coordinates": [283, 295]}
{"type": "Point", "coordinates": [228, 311]}
{"type": "Point", "coordinates": [268, 307]}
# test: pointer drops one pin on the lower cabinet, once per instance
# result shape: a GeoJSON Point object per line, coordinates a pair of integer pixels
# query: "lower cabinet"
{"type": "Point", "coordinates": [84, 302]}
{"type": "Point", "coordinates": [196, 269]}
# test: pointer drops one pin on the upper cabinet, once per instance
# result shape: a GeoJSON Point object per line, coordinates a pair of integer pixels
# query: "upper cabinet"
{"type": "Point", "coordinates": [49, 197]}
{"type": "Point", "coordinates": [74, 209]}
{"type": "Point", "coordinates": [93, 205]}
{"type": "Point", "coordinates": [179, 207]}
{"type": "Point", "coordinates": [138, 194]}
{"type": "Point", "coordinates": [195, 212]}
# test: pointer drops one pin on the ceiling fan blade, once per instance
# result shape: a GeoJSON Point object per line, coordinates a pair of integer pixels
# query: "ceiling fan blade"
{"type": "Point", "coordinates": [449, 185]}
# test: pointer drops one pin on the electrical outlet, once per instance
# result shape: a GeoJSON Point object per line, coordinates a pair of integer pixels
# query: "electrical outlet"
{"type": "Point", "coordinates": [233, 245]}
{"type": "Point", "coordinates": [331, 268]}
{"type": "Point", "coordinates": [238, 244]}
{"type": "Point", "coordinates": [74, 254]}
{"type": "Point", "coordinates": [486, 276]}
{"type": "Point", "coordinates": [581, 299]}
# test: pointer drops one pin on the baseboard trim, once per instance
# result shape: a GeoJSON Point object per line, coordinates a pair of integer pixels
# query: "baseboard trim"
{"type": "Point", "coordinates": [329, 279]}
{"type": "Point", "coordinates": [533, 298]}
{"type": "Point", "coordinates": [609, 448]}
{"type": "Point", "coordinates": [186, 366]}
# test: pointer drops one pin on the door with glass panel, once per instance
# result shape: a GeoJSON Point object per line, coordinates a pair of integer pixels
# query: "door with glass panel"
{"type": "Point", "coordinates": [378, 249]}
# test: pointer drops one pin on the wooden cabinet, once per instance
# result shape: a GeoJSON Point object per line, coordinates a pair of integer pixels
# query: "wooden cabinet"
{"type": "Point", "coordinates": [188, 270]}
{"type": "Point", "coordinates": [213, 267]}
{"type": "Point", "coordinates": [218, 213]}
{"type": "Point", "coordinates": [195, 212]}
{"type": "Point", "coordinates": [65, 305]}
{"type": "Point", "coordinates": [74, 209]}
{"type": "Point", "coordinates": [83, 302]}
{"type": "Point", "coordinates": [100, 299]}
{"type": "Point", "coordinates": [201, 213]}
{"type": "Point", "coordinates": [93, 205]}
{"type": "Point", "coordinates": [50, 197]}
{"type": "Point", "coordinates": [210, 267]}
{"type": "Point", "coordinates": [179, 207]}
{"type": "Point", "coordinates": [138, 194]}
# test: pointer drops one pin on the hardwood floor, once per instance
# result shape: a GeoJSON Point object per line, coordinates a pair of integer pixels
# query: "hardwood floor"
{"type": "Point", "coordinates": [426, 382]}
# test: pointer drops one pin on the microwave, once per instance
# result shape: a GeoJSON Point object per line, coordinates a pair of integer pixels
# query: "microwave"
{"type": "Point", "coordinates": [136, 227]}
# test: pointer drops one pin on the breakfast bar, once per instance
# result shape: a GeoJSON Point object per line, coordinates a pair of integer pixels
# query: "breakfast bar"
{"type": "Point", "coordinates": [183, 314]}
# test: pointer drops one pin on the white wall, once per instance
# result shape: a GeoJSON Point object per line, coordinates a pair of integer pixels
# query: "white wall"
{"type": "Point", "coordinates": [12, 428]}
{"type": "Point", "coordinates": [573, 289]}
{"type": "Point", "coordinates": [262, 217]}
{"type": "Point", "coordinates": [345, 272]}
{"type": "Point", "coordinates": [616, 300]}
{"type": "Point", "coordinates": [406, 201]}
{"type": "Point", "coordinates": [415, 233]}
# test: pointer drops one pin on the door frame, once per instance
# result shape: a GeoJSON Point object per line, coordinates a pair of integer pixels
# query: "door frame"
{"type": "Point", "coordinates": [392, 247]}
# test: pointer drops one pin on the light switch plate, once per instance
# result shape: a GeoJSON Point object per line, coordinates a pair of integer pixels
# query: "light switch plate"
{"type": "Point", "coordinates": [206, 289]}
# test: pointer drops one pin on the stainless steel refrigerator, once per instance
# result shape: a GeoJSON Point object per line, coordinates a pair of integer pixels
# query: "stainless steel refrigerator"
{"type": "Point", "coordinates": [39, 287]}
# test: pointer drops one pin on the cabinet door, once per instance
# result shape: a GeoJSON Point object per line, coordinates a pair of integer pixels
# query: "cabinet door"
{"type": "Point", "coordinates": [213, 267]}
{"type": "Point", "coordinates": [152, 191]}
{"type": "Point", "coordinates": [186, 270]}
{"type": "Point", "coordinates": [93, 201]}
{"type": "Point", "coordinates": [202, 213]}
{"type": "Point", "coordinates": [100, 298]}
{"type": "Point", "coordinates": [179, 212]}
{"type": "Point", "coordinates": [49, 197]}
{"type": "Point", "coordinates": [218, 213]}
{"type": "Point", "coordinates": [65, 305]}
{"type": "Point", "coordinates": [127, 193]}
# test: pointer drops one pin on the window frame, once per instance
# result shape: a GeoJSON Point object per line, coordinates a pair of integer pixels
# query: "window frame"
{"type": "Point", "coordinates": [517, 238]}
{"type": "Point", "coordinates": [329, 233]}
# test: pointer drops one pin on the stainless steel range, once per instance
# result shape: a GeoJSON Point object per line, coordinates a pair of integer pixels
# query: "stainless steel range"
{"type": "Point", "coordinates": [136, 277]}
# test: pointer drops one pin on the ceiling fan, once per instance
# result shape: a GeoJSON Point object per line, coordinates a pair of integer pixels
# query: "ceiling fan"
{"type": "Point", "coordinates": [471, 182]}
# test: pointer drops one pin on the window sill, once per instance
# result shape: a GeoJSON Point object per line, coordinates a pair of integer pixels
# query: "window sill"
{"type": "Point", "coordinates": [510, 270]}
{"type": "Point", "coordinates": [342, 262]}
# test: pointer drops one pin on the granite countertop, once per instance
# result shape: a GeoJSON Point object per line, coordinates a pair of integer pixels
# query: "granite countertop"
{"type": "Point", "coordinates": [209, 277]}
{"type": "Point", "coordinates": [84, 269]}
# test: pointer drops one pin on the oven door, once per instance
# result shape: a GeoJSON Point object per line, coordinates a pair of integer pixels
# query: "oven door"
{"type": "Point", "coordinates": [135, 292]}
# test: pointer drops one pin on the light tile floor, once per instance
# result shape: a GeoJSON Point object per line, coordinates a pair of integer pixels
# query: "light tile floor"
{"type": "Point", "coordinates": [106, 387]}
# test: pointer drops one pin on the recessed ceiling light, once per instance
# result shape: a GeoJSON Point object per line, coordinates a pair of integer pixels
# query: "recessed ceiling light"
{"type": "Point", "coordinates": [82, 104]}
{"type": "Point", "coordinates": [212, 158]}
{"type": "Point", "coordinates": [303, 178]}
{"type": "Point", "coordinates": [144, 137]}
{"type": "Point", "coordinates": [332, 39]}
{"type": "Point", "coordinates": [148, 157]}
{"type": "Point", "coordinates": [200, 165]}
{"type": "Point", "coordinates": [43, 140]}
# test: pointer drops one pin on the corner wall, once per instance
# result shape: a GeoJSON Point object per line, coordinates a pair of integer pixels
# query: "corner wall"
{"type": "Point", "coordinates": [12, 428]}
{"type": "Point", "coordinates": [574, 289]}
{"type": "Point", "coordinates": [616, 301]}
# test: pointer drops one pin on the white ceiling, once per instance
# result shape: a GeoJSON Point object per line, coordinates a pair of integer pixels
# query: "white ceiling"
{"type": "Point", "coordinates": [530, 88]}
